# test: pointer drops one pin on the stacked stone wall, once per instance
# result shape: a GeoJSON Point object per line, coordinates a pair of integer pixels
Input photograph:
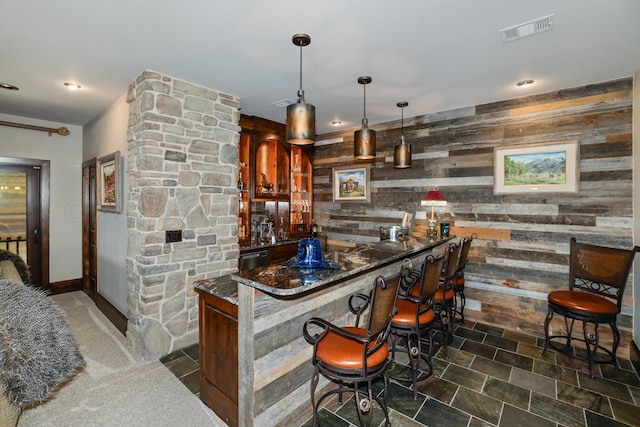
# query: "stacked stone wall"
{"type": "Point", "coordinates": [182, 165]}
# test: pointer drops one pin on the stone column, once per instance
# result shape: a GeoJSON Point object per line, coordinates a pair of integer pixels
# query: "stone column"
{"type": "Point", "coordinates": [182, 166]}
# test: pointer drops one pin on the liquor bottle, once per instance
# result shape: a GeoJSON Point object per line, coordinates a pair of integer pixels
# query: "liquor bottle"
{"type": "Point", "coordinates": [240, 229]}
{"type": "Point", "coordinates": [240, 182]}
{"type": "Point", "coordinates": [241, 208]}
{"type": "Point", "coordinates": [314, 229]}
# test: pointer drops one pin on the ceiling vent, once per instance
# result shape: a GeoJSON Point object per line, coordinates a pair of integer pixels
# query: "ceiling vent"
{"type": "Point", "coordinates": [283, 103]}
{"type": "Point", "coordinates": [540, 25]}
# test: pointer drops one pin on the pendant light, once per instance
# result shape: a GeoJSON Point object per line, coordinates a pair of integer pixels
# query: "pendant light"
{"type": "Point", "coordinates": [301, 117]}
{"type": "Point", "coordinates": [364, 146]}
{"type": "Point", "coordinates": [402, 151]}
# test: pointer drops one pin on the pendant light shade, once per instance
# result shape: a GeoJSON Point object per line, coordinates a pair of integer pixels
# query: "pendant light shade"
{"type": "Point", "coordinates": [301, 117]}
{"type": "Point", "coordinates": [364, 146]}
{"type": "Point", "coordinates": [402, 151]}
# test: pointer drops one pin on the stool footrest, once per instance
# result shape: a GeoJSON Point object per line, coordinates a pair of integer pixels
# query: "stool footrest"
{"type": "Point", "coordinates": [567, 349]}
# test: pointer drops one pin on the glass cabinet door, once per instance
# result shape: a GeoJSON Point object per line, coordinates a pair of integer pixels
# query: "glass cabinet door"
{"type": "Point", "coordinates": [269, 219]}
{"type": "Point", "coordinates": [243, 187]}
{"type": "Point", "coordinates": [301, 191]}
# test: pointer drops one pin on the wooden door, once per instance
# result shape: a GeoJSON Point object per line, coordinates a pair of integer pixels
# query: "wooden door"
{"type": "Point", "coordinates": [89, 229]}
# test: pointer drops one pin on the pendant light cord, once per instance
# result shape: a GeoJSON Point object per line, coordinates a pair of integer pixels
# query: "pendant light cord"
{"type": "Point", "coordinates": [364, 81]}
{"type": "Point", "coordinates": [402, 124]}
{"type": "Point", "coordinates": [364, 103]}
{"type": "Point", "coordinates": [300, 91]}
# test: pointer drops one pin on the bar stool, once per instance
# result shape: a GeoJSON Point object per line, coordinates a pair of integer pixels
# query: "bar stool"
{"type": "Point", "coordinates": [444, 300]}
{"type": "Point", "coordinates": [351, 356]}
{"type": "Point", "coordinates": [458, 282]}
{"type": "Point", "coordinates": [414, 319]}
{"type": "Point", "coordinates": [597, 278]}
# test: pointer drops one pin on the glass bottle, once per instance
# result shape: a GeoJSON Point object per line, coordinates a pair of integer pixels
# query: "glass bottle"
{"type": "Point", "coordinates": [240, 228]}
{"type": "Point", "coordinates": [240, 182]}
{"type": "Point", "coordinates": [240, 203]}
{"type": "Point", "coordinates": [296, 163]}
{"type": "Point", "coordinates": [282, 231]}
{"type": "Point", "coordinates": [314, 229]}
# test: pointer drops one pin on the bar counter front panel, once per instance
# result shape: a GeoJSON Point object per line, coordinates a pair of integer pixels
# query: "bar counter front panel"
{"type": "Point", "coordinates": [274, 361]}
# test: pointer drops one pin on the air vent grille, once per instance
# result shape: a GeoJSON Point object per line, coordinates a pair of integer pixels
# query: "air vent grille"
{"type": "Point", "coordinates": [546, 23]}
{"type": "Point", "coordinates": [283, 103]}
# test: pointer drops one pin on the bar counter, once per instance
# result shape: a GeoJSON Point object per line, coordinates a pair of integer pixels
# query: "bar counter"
{"type": "Point", "coordinates": [255, 365]}
{"type": "Point", "coordinates": [282, 281]}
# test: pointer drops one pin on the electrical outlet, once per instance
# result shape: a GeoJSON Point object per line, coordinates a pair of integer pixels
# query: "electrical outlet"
{"type": "Point", "coordinates": [172, 236]}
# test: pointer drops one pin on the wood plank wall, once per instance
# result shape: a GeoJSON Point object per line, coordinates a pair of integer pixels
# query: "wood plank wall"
{"type": "Point", "coordinates": [522, 244]}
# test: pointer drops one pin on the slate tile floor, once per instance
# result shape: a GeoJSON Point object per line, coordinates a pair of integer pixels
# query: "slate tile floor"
{"type": "Point", "coordinates": [492, 377]}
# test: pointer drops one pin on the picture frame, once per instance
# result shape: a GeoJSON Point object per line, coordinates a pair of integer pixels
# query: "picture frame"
{"type": "Point", "coordinates": [538, 168]}
{"type": "Point", "coordinates": [109, 185]}
{"type": "Point", "coordinates": [351, 184]}
{"type": "Point", "coordinates": [407, 221]}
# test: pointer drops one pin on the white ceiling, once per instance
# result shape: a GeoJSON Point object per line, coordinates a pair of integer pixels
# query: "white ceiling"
{"type": "Point", "coordinates": [435, 54]}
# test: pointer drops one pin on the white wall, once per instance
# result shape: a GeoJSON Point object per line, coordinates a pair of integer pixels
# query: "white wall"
{"type": "Point", "coordinates": [104, 135]}
{"type": "Point", "coordinates": [65, 155]}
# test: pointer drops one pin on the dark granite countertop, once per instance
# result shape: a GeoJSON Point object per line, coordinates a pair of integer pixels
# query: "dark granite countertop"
{"type": "Point", "coordinates": [247, 247]}
{"type": "Point", "coordinates": [279, 280]}
{"type": "Point", "coordinates": [223, 287]}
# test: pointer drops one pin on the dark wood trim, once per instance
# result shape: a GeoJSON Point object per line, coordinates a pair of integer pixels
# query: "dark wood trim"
{"type": "Point", "coordinates": [65, 286]}
{"type": "Point", "coordinates": [45, 182]}
{"type": "Point", "coordinates": [118, 319]}
{"type": "Point", "coordinates": [634, 352]}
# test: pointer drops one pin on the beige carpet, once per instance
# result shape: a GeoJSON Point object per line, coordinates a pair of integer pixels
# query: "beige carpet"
{"type": "Point", "coordinates": [115, 388]}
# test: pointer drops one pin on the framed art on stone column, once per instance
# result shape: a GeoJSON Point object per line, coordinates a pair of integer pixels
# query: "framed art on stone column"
{"type": "Point", "coordinates": [109, 183]}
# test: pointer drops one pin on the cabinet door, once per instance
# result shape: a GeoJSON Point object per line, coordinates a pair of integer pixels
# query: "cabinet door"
{"type": "Point", "coordinates": [219, 357]}
{"type": "Point", "coordinates": [244, 186]}
{"type": "Point", "coordinates": [269, 217]}
{"type": "Point", "coordinates": [301, 191]}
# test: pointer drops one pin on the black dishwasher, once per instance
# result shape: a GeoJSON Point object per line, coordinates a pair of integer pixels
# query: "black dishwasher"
{"type": "Point", "coordinates": [253, 260]}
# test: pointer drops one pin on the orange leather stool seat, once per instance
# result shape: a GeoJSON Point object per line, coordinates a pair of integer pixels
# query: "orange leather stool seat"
{"type": "Point", "coordinates": [406, 314]}
{"type": "Point", "coordinates": [583, 301]}
{"type": "Point", "coordinates": [344, 353]}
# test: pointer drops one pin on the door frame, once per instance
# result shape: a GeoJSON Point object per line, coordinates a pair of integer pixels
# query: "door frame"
{"type": "Point", "coordinates": [45, 170]}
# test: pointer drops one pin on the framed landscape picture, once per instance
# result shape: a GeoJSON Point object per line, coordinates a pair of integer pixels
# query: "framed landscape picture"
{"type": "Point", "coordinates": [541, 168]}
{"type": "Point", "coordinates": [351, 184]}
{"type": "Point", "coordinates": [109, 183]}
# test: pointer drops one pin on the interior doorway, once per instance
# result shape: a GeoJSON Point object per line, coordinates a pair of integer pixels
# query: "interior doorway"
{"type": "Point", "coordinates": [89, 229]}
{"type": "Point", "coordinates": [24, 213]}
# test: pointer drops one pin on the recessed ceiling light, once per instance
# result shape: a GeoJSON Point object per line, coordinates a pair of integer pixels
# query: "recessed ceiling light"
{"type": "Point", "coordinates": [73, 86]}
{"type": "Point", "coordinates": [524, 83]}
{"type": "Point", "coordinates": [8, 86]}
{"type": "Point", "coordinates": [336, 122]}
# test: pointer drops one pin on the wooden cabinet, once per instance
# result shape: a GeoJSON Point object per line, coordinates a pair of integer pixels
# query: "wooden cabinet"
{"type": "Point", "coordinates": [219, 356]}
{"type": "Point", "coordinates": [272, 166]}
{"type": "Point", "coordinates": [281, 253]}
{"type": "Point", "coordinates": [276, 180]}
